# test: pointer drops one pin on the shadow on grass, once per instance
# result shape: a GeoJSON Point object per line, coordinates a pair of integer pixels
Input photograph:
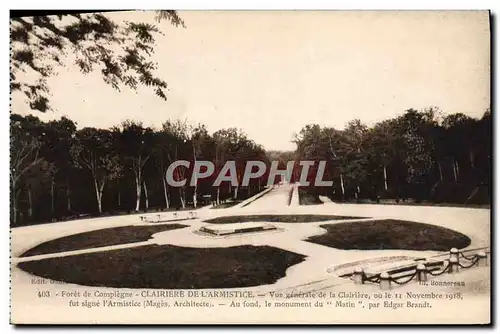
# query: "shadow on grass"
{"type": "Point", "coordinates": [100, 238]}
{"type": "Point", "coordinates": [390, 234]}
{"type": "Point", "coordinates": [169, 267]}
{"type": "Point", "coordinates": [277, 219]}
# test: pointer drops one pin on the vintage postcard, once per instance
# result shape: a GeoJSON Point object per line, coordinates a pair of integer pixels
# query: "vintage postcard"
{"type": "Point", "coordinates": [250, 167]}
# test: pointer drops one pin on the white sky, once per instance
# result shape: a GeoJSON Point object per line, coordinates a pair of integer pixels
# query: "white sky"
{"type": "Point", "coordinates": [271, 73]}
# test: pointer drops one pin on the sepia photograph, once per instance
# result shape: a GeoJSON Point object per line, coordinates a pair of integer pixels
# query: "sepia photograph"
{"type": "Point", "coordinates": [250, 167]}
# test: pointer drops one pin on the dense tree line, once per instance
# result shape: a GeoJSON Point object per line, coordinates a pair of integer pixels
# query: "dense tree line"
{"type": "Point", "coordinates": [420, 155]}
{"type": "Point", "coordinates": [58, 171]}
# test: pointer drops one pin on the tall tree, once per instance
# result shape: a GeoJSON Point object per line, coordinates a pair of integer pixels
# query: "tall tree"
{"type": "Point", "coordinates": [58, 139]}
{"type": "Point", "coordinates": [178, 148]}
{"type": "Point", "coordinates": [25, 148]}
{"type": "Point", "coordinates": [355, 135]}
{"type": "Point", "coordinates": [136, 143]}
{"type": "Point", "coordinates": [382, 148]}
{"type": "Point", "coordinates": [231, 144]}
{"type": "Point", "coordinates": [200, 139]}
{"type": "Point", "coordinates": [160, 151]}
{"type": "Point", "coordinates": [418, 150]}
{"type": "Point", "coordinates": [93, 150]}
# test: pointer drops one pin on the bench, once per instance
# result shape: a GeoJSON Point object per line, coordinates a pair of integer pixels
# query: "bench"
{"type": "Point", "coordinates": [161, 218]}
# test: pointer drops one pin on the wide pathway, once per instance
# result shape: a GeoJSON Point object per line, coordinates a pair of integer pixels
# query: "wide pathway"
{"type": "Point", "coordinates": [278, 197]}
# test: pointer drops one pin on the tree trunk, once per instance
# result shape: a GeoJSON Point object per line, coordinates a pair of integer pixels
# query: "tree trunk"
{"type": "Point", "coordinates": [14, 203]}
{"type": "Point", "coordinates": [98, 194]}
{"type": "Point", "coordinates": [454, 170]}
{"type": "Point", "coordinates": [146, 195]}
{"type": "Point", "coordinates": [68, 197]}
{"type": "Point", "coordinates": [342, 185]}
{"type": "Point", "coordinates": [165, 192]}
{"type": "Point", "coordinates": [182, 197]}
{"type": "Point", "coordinates": [119, 194]}
{"type": "Point", "coordinates": [52, 207]}
{"type": "Point", "coordinates": [195, 200]}
{"type": "Point", "coordinates": [385, 178]}
{"type": "Point", "coordinates": [30, 203]}
{"type": "Point", "coordinates": [14, 210]}
{"type": "Point", "coordinates": [440, 172]}
{"type": "Point", "coordinates": [138, 192]}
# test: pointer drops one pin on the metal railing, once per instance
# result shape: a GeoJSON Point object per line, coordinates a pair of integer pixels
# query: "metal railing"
{"type": "Point", "coordinates": [400, 276]}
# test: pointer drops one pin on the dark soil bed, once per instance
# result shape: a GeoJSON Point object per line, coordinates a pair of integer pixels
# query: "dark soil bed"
{"type": "Point", "coordinates": [277, 219]}
{"type": "Point", "coordinates": [100, 238]}
{"type": "Point", "coordinates": [390, 234]}
{"type": "Point", "coordinates": [169, 267]}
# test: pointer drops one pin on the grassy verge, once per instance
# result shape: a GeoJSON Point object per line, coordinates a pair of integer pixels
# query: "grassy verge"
{"type": "Point", "coordinates": [277, 219]}
{"type": "Point", "coordinates": [226, 205]}
{"type": "Point", "coordinates": [100, 238]}
{"type": "Point", "coordinates": [412, 202]}
{"type": "Point", "coordinates": [451, 205]}
{"type": "Point", "coordinates": [258, 195]}
{"type": "Point", "coordinates": [169, 267]}
{"type": "Point", "coordinates": [306, 198]}
{"type": "Point", "coordinates": [390, 234]}
{"type": "Point", "coordinates": [83, 216]}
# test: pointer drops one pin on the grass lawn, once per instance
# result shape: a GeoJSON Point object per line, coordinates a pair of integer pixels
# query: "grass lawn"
{"type": "Point", "coordinates": [169, 267]}
{"type": "Point", "coordinates": [390, 234]}
{"type": "Point", "coordinates": [306, 198]}
{"type": "Point", "coordinates": [100, 238]}
{"type": "Point", "coordinates": [277, 219]}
